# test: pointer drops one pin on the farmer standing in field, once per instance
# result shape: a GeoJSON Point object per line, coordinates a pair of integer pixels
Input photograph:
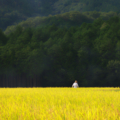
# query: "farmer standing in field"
{"type": "Point", "coordinates": [75, 84]}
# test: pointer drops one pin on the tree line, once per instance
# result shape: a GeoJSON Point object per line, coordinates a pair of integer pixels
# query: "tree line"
{"type": "Point", "coordinates": [68, 19]}
{"type": "Point", "coordinates": [13, 11]}
{"type": "Point", "coordinates": [56, 56]}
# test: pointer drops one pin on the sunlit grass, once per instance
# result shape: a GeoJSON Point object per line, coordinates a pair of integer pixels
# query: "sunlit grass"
{"type": "Point", "coordinates": [59, 104]}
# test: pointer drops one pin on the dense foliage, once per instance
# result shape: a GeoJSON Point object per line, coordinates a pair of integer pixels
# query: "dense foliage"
{"type": "Point", "coordinates": [55, 56]}
{"type": "Point", "coordinates": [63, 20]}
{"type": "Point", "coordinates": [14, 11]}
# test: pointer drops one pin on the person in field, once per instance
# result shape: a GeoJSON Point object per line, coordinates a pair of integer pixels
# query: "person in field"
{"type": "Point", "coordinates": [75, 84]}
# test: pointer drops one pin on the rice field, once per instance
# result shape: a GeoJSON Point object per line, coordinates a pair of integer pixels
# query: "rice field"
{"type": "Point", "coordinates": [59, 103]}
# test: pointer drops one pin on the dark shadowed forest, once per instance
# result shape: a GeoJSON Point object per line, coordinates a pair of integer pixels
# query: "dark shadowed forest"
{"type": "Point", "coordinates": [54, 42]}
{"type": "Point", "coordinates": [51, 55]}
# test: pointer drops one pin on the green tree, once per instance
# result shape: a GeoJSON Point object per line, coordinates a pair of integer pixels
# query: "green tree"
{"type": "Point", "coordinates": [3, 38]}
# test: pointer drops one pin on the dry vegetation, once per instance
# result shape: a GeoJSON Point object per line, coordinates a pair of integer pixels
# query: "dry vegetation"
{"type": "Point", "coordinates": [59, 104]}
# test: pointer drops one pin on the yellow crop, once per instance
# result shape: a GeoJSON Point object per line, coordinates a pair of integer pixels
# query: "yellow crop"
{"type": "Point", "coordinates": [59, 104]}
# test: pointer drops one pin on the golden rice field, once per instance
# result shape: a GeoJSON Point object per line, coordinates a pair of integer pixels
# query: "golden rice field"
{"type": "Point", "coordinates": [59, 103]}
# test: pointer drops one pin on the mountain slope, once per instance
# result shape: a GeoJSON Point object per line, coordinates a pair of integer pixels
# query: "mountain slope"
{"type": "Point", "coordinates": [67, 20]}
{"type": "Point", "coordinates": [13, 11]}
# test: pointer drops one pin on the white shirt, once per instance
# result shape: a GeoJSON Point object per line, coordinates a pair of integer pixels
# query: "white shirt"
{"type": "Point", "coordinates": [75, 85]}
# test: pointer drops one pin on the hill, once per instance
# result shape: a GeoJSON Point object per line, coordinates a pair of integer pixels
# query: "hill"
{"type": "Point", "coordinates": [63, 20]}
{"type": "Point", "coordinates": [13, 11]}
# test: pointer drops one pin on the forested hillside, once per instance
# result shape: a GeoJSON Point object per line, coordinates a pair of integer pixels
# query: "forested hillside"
{"type": "Point", "coordinates": [56, 56]}
{"type": "Point", "coordinates": [63, 20]}
{"type": "Point", "coordinates": [14, 11]}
